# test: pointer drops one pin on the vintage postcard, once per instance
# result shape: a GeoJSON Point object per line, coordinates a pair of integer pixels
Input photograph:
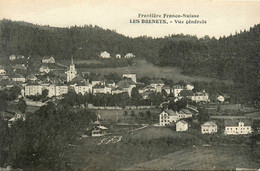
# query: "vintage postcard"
{"type": "Point", "coordinates": [129, 85]}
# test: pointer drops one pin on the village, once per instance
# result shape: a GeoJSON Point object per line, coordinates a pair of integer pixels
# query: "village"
{"type": "Point", "coordinates": [153, 95]}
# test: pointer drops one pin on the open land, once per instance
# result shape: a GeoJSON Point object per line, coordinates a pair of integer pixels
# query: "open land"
{"type": "Point", "coordinates": [161, 149]}
{"type": "Point", "coordinates": [144, 68]}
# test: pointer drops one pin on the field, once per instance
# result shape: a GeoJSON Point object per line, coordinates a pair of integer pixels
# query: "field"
{"type": "Point", "coordinates": [117, 114]}
{"type": "Point", "coordinates": [158, 148]}
{"type": "Point", "coordinates": [202, 158]}
{"type": "Point", "coordinates": [143, 68]}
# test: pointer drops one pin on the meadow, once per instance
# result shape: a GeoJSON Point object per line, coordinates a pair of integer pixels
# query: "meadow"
{"type": "Point", "coordinates": [142, 68]}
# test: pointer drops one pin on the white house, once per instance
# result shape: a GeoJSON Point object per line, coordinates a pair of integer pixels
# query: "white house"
{"type": "Point", "coordinates": [157, 84]}
{"type": "Point", "coordinates": [200, 97]}
{"type": "Point", "coordinates": [184, 113]}
{"type": "Point", "coordinates": [132, 76]}
{"type": "Point", "coordinates": [118, 56]}
{"type": "Point", "coordinates": [32, 90]}
{"type": "Point", "coordinates": [48, 59]}
{"type": "Point", "coordinates": [189, 86]}
{"type": "Point", "coordinates": [167, 117]}
{"type": "Point", "coordinates": [18, 78]}
{"type": "Point", "coordinates": [209, 128]}
{"type": "Point", "coordinates": [101, 89]}
{"type": "Point", "coordinates": [238, 126]}
{"type": "Point", "coordinates": [182, 125]}
{"type": "Point", "coordinates": [83, 88]}
{"type": "Point", "coordinates": [129, 55]}
{"type": "Point", "coordinates": [177, 89]}
{"type": "Point", "coordinates": [2, 70]}
{"type": "Point", "coordinates": [221, 98]}
{"type": "Point", "coordinates": [61, 89]}
{"type": "Point", "coordinates": [12, 57]}
{"type": "Point", "coordinates": [104, 54]}
{"type": "Point", "coordinates": [44, 69]}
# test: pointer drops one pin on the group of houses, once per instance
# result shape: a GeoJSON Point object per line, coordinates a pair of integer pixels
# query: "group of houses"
{"type": "Point", "coordinates": [32, 85]}
{"type": "Point", "coordinates": [106, 55]}
{"type": "Point", "coordinates": [233, 126]}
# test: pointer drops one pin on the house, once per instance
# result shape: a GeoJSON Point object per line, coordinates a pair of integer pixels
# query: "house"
{"type": "Point", "coordinates": [147, 88]}
{"type": "Point", "coordinates": [101, 89]}
{"type": "Point", "coordinates": [200, 97]}
{"type": "Point", "coordinates": [238, 126]}
{"type": "Point", "coordinates": [19, 66]}
{"type": "Point", "coordinates": [44, 69]}
{"type": "Point", "coordinates": [167, 117]}
{"type": "Point", "coordinates": [20, 57]}
{"type": "Point", "coordinates": [83, 88]}
{"type": "Point", "coordinates": [209, 128]}
{"type": "Point", "coordinates": [110, 83]}
{"type": "Point", "coordinates": [33, 90]}
{"type": "Point", "coordinates": [157, 84]}
{"type": "Point", "coordinates": [220, 98]}
{"type": "Point", "coordinates": [47, 59]}
{"type": "Point", "coordinates": [31, 77]}
{"type": "Point", "coordinates": [184, 113]}
{"type": "Point", "coordinates": [16, 117]}
{"type": "Point", "coordinates": [118, 90]}
{"type": "Point", "coordinates": [2, 70]}
{"type": "Point", "coordinates": [18, 78]}
{"type": "Point", "coordinates": [98, 129]}
{"type": "Point", "coordinates": [129, 55]}
{"type": "Point", "coordinates": [12, 57]}
{"type": "Point", "coordinates": [167, 89]}
{"type": "Point", "coordinates": [177, 89]}
{"type": "Point", "coordinates": [61, 89]}
{"type": "Point", "coordinates": [182, 125]}
{"type": "Point", "coordinates": [118, 56]}
{"type": "Point", "coordinates": [127, 85]}
{"type": "Point", "coordinates": [104, 54]}
{"type": "Point", "coordinates": [97, 81]}
{"type": "Point", "coordinates": [186, 94]}
{"type": "Point", "coordinates": [189, 86]}
{"type": "Point", "coordinates": [132, 76]}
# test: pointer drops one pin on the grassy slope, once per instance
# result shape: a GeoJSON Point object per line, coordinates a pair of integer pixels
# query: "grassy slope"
{"type": "Point", "coordinates": [143, 68]}
{"type": "Point", "coordinates": [202, 158]}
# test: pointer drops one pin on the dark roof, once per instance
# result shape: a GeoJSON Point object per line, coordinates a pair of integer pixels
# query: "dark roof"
{"type": "Point", "coordinates": [18, 76]}
{"type": "Point", "coordinates": [234, 122]}
{"type": "Point", "coordinates": [186, 93]}
{"type": "Point", "coordinates": [157, 82]}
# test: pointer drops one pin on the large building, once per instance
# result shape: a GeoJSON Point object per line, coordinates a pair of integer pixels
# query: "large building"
{"type": "Point", "coordinates": [238, 126]}
{"type": "Point", "coordinates": [72, 72]}
{"type": "Point", "coordinates": [167, 117]}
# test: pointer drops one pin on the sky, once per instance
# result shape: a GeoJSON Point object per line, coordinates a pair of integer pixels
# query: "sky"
{"type": "Point", "coordinates": [221, 17]}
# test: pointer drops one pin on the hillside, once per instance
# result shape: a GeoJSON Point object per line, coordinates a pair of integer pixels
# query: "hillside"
{"type": "Point", "coordinates": [236, 57]}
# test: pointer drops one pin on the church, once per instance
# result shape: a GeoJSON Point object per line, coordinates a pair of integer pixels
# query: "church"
{"type": "Point", "coordinates": [72, 72]}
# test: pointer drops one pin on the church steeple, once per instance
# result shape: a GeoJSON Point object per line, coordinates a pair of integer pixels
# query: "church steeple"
{"type": "Point", "coordinates": [72, 72]}
{"type": "Point", "coordinates": [72, 60]}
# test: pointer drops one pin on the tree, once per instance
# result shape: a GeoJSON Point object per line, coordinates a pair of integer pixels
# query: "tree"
{"type": "Point", "coordinates": [45, 93]}
{"type": "Point", "coordinates": [125, 114]}
{"type": "Point", "coordinates": [203, 116]}
{"type": "Point", "coordinates": [135, 97]}
{"type": "Point", "coordinates": [22, 106]}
